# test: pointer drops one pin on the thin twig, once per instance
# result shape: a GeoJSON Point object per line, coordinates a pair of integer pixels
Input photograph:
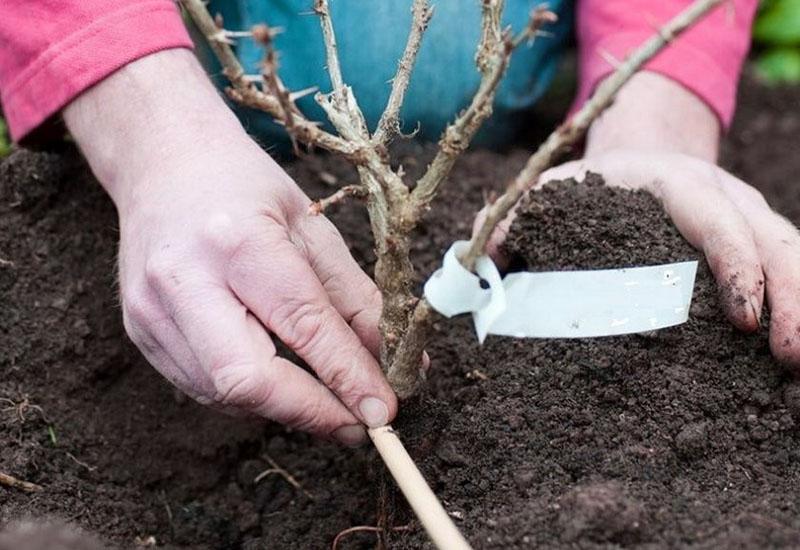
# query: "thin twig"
{"type": "Point", "coordinates": [365, 528]}
{"type": "Point", "coordinates": [322, 9]}
{"type": "Point", "coordinates": [493, 56]}
{"type": "Point", "coordinates": [276, 469]}
{"type": "Point", "coordinates": [11, 481]}
{"type": "Point", "coordinates": [23, 406]}
{"type": "Point", "coordinates": [80, 462]}
{"type": "Point", "coordinates": [272, 82]}
{"type": "Point", "coordinates": [340, 105]}
{"type": "Point", "coordinates": [575, 128]}
{"type": "Point", "coordinates": [168, 509]}
{"type": "Point", "coordinates": [245, 92]}
{"type": "Point", "coordinates": [389, 123]}
{"type": "Point", "coordinates": [319, 206]}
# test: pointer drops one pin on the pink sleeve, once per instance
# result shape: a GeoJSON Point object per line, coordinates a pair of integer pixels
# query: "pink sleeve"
{"type": "Point", "coordinates": [52, 50]}
{"type": "Point", "coordinates": [706, 59]}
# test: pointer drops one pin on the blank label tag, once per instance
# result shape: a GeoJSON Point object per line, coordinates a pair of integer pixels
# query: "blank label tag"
{"type": "Point", "coordinates": [562, 304]}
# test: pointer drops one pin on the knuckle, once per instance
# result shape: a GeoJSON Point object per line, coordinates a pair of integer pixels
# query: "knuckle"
{"type": "Point", "coordinates": [343, 379]}
{"type": "Point", "coordinates": [756, 196]}
{"type": "Point", "coordinates": [728, 251]}
{"type": "Point", "coordinates": [220, 234]}
{"type": "Point", "coordinates": [137, 308]}
{"type": "Point", "coordinates": [305, 324]}
{"type": "Point", "coordinates": [161, 269]}
{"type": "Point", "coordinates": [310, 418]}
{"type": "Point", "coordinates": [234, 385]}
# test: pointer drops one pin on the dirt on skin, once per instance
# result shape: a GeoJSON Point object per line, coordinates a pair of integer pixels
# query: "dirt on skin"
{"type": "Point", "coordinates": [686, 437]}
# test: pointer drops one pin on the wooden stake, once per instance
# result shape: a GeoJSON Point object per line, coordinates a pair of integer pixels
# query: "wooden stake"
{"type": "Point", "coordinates": [426, 506]}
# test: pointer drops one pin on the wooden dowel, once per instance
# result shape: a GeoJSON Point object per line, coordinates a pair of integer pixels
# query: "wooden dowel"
{"type": "Point", "coordinates": [426, 506]}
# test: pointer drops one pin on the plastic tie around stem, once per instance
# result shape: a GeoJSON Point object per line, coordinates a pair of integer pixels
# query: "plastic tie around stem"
{"type": "Point", "coordinates": [562, 304]}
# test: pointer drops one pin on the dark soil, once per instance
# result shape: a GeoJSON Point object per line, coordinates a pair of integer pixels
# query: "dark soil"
{"type": "Point", "coordinates": [686, 437]}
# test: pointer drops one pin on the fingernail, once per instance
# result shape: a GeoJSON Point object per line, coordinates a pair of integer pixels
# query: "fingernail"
{"type": "Point", "coordinates": [374, 412]}
{"type": "Point", "coordinates": [352, 436]}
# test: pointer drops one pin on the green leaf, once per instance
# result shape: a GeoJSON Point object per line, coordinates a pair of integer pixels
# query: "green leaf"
{"type": "Point", "coordinates": [779, 65]}
{"type": "Point", "coordinates": [779, 24]}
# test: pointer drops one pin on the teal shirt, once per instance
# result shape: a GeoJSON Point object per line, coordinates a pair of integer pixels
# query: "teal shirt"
{"type": "Point", "coordinates": [372, 34]}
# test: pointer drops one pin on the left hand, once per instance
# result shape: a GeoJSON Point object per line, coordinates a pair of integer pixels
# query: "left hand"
{"type": "Point", "coordinates": [753, 252]}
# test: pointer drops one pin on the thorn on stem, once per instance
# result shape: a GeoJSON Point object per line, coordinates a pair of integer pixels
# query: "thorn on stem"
{"type": "Point", "coordinates": [264, 34]}
{"type": "Point", "coordinates": [317, 207]}
{"type": "Point", "coordinates": [299, 94]}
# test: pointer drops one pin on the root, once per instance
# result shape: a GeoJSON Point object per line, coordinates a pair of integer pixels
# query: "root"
{"type": "Point", "coordinates": [276, 469]}
{"type": "Point", "coordinates": [21, 407]}
{"type": "Point", "coordinates": [81, 463]}
{"type": "Point", "coordinates": [368, 529]}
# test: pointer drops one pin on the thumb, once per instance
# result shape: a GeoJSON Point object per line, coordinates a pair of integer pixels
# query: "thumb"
{"type": "Point", "coordinates": [494, 248]}
{"type": "Point", "coordinates": [576, 169]}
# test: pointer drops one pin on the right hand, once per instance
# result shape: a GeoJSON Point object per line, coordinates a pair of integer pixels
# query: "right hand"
{"type": "Point", "coordinates": [217, 248]}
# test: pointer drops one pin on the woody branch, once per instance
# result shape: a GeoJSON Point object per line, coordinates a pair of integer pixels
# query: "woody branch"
{"type": "Point", "coordinates": [548, 153]}
{"type": "Point", "coordinates": [492, 59]}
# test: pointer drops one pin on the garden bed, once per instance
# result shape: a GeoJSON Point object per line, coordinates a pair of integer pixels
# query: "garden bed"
{"type": "Point", "coordinates": [684, 437]}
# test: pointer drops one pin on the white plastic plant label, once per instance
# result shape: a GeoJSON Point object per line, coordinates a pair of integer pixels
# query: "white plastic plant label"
{"type": "Point", "coordinates": [562, 304]}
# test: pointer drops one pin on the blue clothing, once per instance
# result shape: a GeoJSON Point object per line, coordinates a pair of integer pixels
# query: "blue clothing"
{"type": "Point", "coordinates": [371, 35]}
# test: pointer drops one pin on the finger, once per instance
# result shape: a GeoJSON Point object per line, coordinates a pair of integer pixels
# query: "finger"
{"type": "Point", "coordinates": [236, 354]}
{"type": "Point", "coordinates": [779, 245]}
{"type": "Point", "coordinates": [725, 237]}
{"type": "Point", "coordinates": [274, 280]}
{"type": "Point", "coordinates": [494, 247]}
{"type": "Point", "coordinates": [155, 335]}
{"type": "Point", "coordinates": [573, 169]}
{"type": "Point", "coordinates": [783, 290]}
{"type": "Point", "coordinates": [349, 289]}
{"type": "Point", "coordinates": [721, 232]}
{"type": "Point", "coordinates": [153, 350]}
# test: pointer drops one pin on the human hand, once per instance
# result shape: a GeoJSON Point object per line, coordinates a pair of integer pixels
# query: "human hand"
{"type": "Point", "coordinates": [661, 137]}
{"type": "Point", "coordinates": [217, 251]}
{"type": "Point", "coordinates": [751, 250]}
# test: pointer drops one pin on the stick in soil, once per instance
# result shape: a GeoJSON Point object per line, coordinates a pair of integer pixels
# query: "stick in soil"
{"type": "Point", "coordinates": [426, 506]}
{"type": "Point", "coordinates": [11, 481]}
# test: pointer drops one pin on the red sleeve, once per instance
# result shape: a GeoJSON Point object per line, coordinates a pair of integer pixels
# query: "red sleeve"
{"type": "Point", "coordinates": [52, 50]}
{"type": "Point", "coordinates": [707, 59]}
